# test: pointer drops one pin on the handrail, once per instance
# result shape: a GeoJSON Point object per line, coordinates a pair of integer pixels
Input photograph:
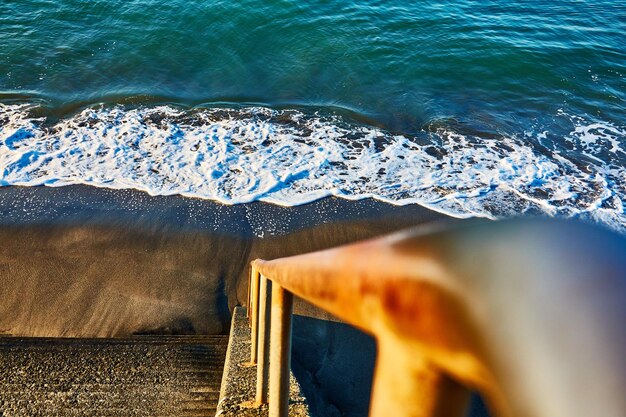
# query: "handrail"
{"type": "Point", "coordinates": [530, 313]}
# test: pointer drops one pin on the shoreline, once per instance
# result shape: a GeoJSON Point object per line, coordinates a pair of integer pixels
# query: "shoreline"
{"type": "Point", "coordinates": [89, 205]}
{"type": "Point", "coordinates": [80, 261]}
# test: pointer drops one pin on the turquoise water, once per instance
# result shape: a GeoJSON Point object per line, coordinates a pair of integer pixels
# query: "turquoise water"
{"type": "Point", "coordinates": [497, 64]}
{"type": "Point", "coordinates": [540, 85]}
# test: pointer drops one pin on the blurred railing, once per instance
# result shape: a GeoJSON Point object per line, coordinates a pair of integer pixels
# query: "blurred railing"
{"type": "Point", "coordinates": [530, 313]}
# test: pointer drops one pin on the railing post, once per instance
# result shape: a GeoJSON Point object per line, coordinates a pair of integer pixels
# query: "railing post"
{"type": "Point", "coordinates": [280, 351]}
{"type": "Point", "coordinates": [248, 313]}
{"type": "Point", "coordinates": [254, 307]}
{"type": "Point", "coordinates": [406, 384]}
{"type": "Point", "coordinates": [263, 357]}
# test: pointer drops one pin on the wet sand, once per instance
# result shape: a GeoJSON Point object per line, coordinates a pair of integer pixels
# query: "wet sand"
{"type": "Point", "coordinates": [80, 261]}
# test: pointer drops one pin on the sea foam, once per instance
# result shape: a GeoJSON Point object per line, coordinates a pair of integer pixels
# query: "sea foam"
{"type": "Point", "coordinates": [289, 158]}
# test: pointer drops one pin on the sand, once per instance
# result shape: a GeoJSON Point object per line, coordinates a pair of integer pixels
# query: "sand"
{"type": "Point", "coordinates": [80, 261]}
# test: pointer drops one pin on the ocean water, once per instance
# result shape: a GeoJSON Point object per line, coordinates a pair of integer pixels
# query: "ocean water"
{"type": "Point", "coordinates": [472, 108]}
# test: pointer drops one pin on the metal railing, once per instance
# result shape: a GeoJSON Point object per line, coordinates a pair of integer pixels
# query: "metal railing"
{"type": "Point", "coordinates": [531, 313]}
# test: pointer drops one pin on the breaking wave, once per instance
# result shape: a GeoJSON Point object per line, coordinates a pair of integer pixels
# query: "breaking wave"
{"type": "Point", "coordinates": [288, 157]}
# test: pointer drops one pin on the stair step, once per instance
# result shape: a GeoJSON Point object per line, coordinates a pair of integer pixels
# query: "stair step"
{"type": "Point", "coordinates": [209, 412]}
{"type": "Point", "coordinates": [139, 376]}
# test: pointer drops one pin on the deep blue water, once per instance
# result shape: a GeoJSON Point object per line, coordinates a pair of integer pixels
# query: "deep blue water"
{"type": "Point", "coordinates": [473, 108]}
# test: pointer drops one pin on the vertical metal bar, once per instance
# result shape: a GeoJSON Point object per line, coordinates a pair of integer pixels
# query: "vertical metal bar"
{"type": "Point", "coordinates": [248, 313]}
{"type": "Point", "coordinates": [254, 307]}
{"type": "Point", "coordinates": [263, 355]}
{"type": "Point", "coordinates": [407, 384]}
{"type": "Point", "coordinates": [280, 351]}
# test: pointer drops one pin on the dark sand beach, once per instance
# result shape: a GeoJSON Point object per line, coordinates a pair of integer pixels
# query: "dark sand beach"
{"type": "Point", "coordinates": [80, 261]}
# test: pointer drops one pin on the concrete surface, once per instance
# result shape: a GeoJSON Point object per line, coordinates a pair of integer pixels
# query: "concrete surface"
{"type": "Point", "coordinates": [140, 376]}
{"type": "Point", "coordinates": [239, 378]}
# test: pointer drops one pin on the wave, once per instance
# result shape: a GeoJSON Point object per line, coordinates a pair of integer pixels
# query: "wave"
{"type": "Point", "coordinates": [288, 157]}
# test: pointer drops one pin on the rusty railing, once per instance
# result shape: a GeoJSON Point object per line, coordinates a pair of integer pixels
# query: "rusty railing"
{"type": "Point", "coordinates": [530, 313]}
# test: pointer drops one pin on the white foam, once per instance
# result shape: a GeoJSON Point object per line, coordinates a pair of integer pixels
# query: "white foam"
{"type": "Point", "coordinates": [289, 158]}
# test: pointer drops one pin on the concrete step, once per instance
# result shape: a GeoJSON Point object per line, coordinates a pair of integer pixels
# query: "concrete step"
{"type": "Point", "coordinates": [136, 376]}
{"type": "Point", "coordinates": [239, 382]}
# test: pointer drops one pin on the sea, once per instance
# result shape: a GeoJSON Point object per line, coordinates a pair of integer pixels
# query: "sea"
{"type": "Point", "coordinates": [471, 108]}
